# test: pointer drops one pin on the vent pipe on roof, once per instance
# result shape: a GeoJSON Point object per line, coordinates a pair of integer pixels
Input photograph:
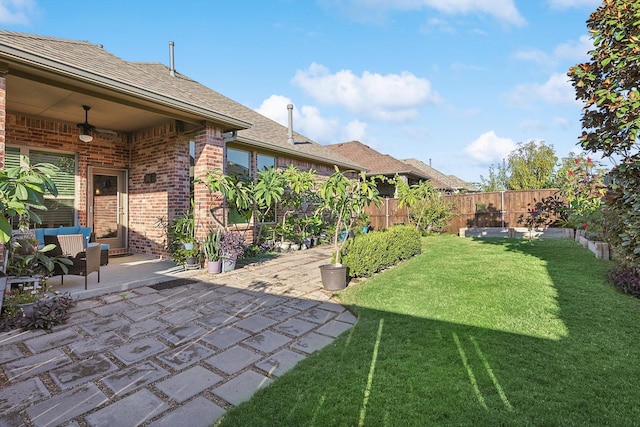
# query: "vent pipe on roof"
{"type": "Point", "coordinates": [429, 161]}
{"type": "Point", "coordinates": [172, 69]}
{"type": "Point", "coordinates": [290, 139]}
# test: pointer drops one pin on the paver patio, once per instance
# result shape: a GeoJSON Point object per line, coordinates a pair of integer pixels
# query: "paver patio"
{"type": "Point", "coordinates": [176, 356]}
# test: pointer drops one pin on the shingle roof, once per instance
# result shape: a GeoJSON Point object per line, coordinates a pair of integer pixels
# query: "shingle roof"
{"type": "Point", "coordinates": [375, 162]}
{"type": "Point", "coordinates": [451, 182]}
{"type": "Point", "coordinates": [88, 62]}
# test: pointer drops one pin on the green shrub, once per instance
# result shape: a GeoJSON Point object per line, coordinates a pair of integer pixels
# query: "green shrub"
{"type": "Point", "coordinates": [369, 253]}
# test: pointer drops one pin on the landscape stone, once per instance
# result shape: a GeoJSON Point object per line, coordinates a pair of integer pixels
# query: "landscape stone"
{"type": "Point", "coordinates": [81, 372]}
{"type": "Point", "coordinates": [242, 387]}
{"type": "Point", "coordinates": [255, 323]}
{"type": "Point", "coordinates": [296, 327]}
{"type": "Point", "coordinates": [139, 350]}
{"type": "Point", "coordinates": [10, 352]}
{"type": "Point", "coordinates": [111, 309]}
{"type": "Point", "coordinates": [200, 412]}
{"type": "Point", "coordinates": [180, 334]}
{"type": "Point", "coordinates": [36, 364]}
{"type": "Point", "coordinates": [130, 411]}
{"type": "Point", "coordinates": [280, 362]}
{"type": "Point", "coordinates": [185, 355]}
{"type": "Point", "coordinates": [225, 337]}
{"type": "Point", "coordinates": [188, 383]}
{"type": "Point", "coordinates": [67, 405]}
{"type": "Point", "coordinates": [17, 396]}
{"type": "Point", "coordinates": [334, 328]}
{"type": "Point", "coordinates": [267, 341]}
{"type": "Point", "coordinates": [233, 360]}
{"type": "Point", "coordinates": [104, 324]}
{"type": "Point", "coordinates": [144, 328]}
{"type": "Point", "coordinates": [312, 342]}
{"type": "Point", "coordinates": [52, 340]}
{"type": "Point", "coordinates": [89, 346]}
{"type": "Point", "coordinates": [134, 377]}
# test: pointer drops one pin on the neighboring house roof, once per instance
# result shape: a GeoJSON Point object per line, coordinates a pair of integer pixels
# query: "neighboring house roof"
{"type": "Point", "coordinates": [80, 65]}
{"type": "Point", "coordinates": [450, 181]}
{"type": "Point", "coordinates": [376, 162]}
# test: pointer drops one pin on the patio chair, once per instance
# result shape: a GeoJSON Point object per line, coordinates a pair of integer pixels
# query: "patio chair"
{"type": "Point", "coordinates": [85, 260]}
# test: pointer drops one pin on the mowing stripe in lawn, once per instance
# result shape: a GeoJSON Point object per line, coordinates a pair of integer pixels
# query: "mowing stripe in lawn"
{"type": "Point", "coordinates": [487, 366]}
{"type": "Point", "coordinates": [372, 368]}
{"type": "Point", "coordinates": [472, 377]}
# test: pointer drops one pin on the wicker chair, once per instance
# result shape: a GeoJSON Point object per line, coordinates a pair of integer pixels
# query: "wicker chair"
{"type": "Point", "coordinates": [85, 261]}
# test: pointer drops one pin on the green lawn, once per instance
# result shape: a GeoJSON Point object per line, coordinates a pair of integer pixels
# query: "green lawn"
{"type": "Point", "coordinates": [472, 332]}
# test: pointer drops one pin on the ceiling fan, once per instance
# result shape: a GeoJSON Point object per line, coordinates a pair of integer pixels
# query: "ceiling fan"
{"type": "Point", "coordinates": [86, 128]}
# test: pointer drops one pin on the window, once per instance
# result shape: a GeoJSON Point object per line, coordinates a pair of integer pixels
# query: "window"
{"type": "Point", "coordinates": [239, 166]}
{"type": "Point", "coordinates": [60, 210]}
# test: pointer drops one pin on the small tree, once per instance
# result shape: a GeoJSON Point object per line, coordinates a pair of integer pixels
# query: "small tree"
{"type": "Point", "coordinates": [497, 180]}
{"type": "Point", "coordinates": [268, 191]}
{"type": "Point", "coordinates": [298, 191]}
{"type": "Point", "coordinates": [608, 86]}
{"type": "Point", "coordinates": [531, 166]}
{"type": "Point", "coordinates": [345, 199]}
{"type": "Point", "coordinates": [425, 205]}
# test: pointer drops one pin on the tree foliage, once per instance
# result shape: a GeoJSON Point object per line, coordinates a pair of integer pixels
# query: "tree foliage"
{"type": "Point", "coordinates": [531, 166]}
{"type": "Point", "coordinates": [426, 207]}
{"type": "Point", "coordinates": [608, 86]}
{"type": "Point", "coordinates": [497, 179]}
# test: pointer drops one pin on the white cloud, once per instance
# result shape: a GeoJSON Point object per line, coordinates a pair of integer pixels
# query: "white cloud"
{"type": "Point", "coordinates": [557, 90]}
{"type": "Point", "coordinates": [307, 120]}
{"type": "Point", "coordinates": [391, 97]}
{"type": "Point", "coordinates": [561, 122]}
{"type": "Point", "coordinates": [490, 148]}
{"type": "Point", "coordinates": [566, 4]}
{"type": "Point", "coordinates": [275, 107]}
{"type": "Point", "coordinates": [355, 131]}
{"type": "Point", "coordinates": [571, 51]}
{"type": "Point", "coordinates": [502, 10]}
{"type": "Point", "coordinates": [532, 125]}
{"type": "Point", "coordinates": [16, 11]}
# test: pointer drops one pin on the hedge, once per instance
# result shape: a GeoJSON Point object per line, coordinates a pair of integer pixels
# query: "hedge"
{"type": "Point", "coordinates": [372, 252]}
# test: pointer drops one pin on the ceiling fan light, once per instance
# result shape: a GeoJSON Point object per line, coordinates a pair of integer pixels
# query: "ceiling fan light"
{"type": "Point", "coordinates": [85, 138]}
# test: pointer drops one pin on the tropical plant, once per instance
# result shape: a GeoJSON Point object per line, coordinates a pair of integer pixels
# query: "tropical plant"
{"type": "Point", "coordinates": [211, 245]}
{"type": "Point", "coordinates": [299, 194]}
{"type": "Point", "coordinates": [26, 259]}
{"type": "Point", "coordinates": [268, 191]}
{"type": "Point", "coordinates": [344, 199]}
{"type": "Point", "coordinates": [237, 193]}
{"type": "Point", "coordinates": [22, 190]}
{"type": "Point", "coordinates": [183, 229]}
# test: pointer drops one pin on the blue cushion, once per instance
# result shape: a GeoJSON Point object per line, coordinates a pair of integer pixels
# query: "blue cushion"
{"type": "Point", "coordinates": [104, 247]}
{"type": "Point", "coordinates": [85, 231]}
{"type": "Point", "coordinates": [40, 235]}
{"type": "Point", "coordinates": [68, 230]}
{"type": "Point", "coordinates": [50, 231]}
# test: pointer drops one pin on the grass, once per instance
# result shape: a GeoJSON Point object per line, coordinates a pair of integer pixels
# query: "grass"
{"type": "Point", "coordinates": [471, 333]}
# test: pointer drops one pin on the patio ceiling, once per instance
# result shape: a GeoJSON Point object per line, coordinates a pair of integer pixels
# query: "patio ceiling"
{"type": "Point", "coordinates": [58, 98]}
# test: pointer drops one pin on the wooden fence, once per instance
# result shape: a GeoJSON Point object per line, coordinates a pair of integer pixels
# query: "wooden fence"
{"type": "Point", "coordinates": [496, 209]}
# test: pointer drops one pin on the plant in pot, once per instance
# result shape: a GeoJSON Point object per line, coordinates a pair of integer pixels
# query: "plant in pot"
{"type": "Point", "coordinates": [183, 231]}
{"type": "Point", "coordinates": [22, 190]}
{"type": "Point", "coordinates": [231, 248]}
{"type": "Point", "coordinates": [344, 199]}
{"type": "Point", "coordinates": [211, 249]}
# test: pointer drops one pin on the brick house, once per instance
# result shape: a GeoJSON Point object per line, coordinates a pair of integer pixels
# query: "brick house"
{"type": "Point", "coordinates": [128, 138]}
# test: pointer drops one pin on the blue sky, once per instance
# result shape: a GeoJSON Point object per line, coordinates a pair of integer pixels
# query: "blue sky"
{"type": "Point", "coordinates": [455, 82]}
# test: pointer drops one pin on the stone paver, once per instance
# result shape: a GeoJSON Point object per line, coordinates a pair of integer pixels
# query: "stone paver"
{"type": "Point", "coordinates": [188, 383]}
{"type": "Point", "coordinates": [176, 356]}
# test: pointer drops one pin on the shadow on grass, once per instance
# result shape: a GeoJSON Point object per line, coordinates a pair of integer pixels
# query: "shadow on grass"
{"type": "Point", "coordinates": [393, 369]}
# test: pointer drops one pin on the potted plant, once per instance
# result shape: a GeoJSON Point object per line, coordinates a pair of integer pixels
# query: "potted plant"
{"type": "Point", "coordinates": [183, 230]}
{"type": "Point", "coordinates": [344, 200]}
{"type": "Point", "coordinates": [231, 248]}
{"type": "Point", "coordinates": [211, 249]}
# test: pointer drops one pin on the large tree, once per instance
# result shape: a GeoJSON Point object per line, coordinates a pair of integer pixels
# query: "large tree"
{"type": "Point", "coordinates": [608, 86]}
{"type": "Point", "coordinates": [531, 166]}
{"type": "Point", "coordinates": [497, 179]}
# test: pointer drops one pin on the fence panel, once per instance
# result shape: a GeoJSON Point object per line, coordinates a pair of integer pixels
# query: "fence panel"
{"type": "Point", "coordinates": [387, 214]}
{"type": "Point", "coordinates": [495, 209]}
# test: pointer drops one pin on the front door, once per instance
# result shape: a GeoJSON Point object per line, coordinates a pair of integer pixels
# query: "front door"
{"type": "Point", "coordinates": [107, 206]}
